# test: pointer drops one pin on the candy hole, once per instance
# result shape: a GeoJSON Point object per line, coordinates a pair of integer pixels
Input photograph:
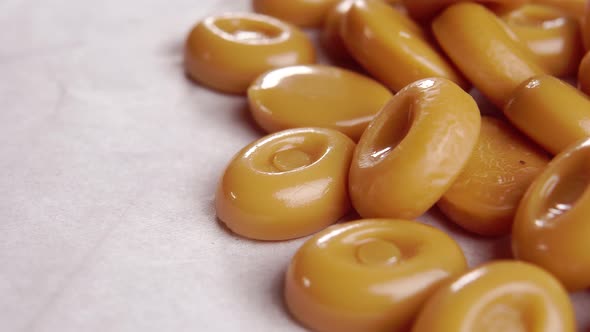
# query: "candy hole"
{"type": "Point", "coordinates": [290, 159]}
{"type": "Point", "coordinates": [505, 314]}
{"type": "Point", "coordinates": [377, 252]}
{"type": "Point", "coordinates": [565, 188]}
{"type": "Point", "coordinates": [248, 30]}
{"type": "Point", "coordinates": [394, 130]}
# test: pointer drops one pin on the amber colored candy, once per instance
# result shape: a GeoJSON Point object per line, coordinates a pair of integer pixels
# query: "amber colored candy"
{"type": "Point", "coordinates": [316, 96]}
{"type": "Point", "coordinates": [584, 74]}
{"type": "Point", "coordinates": [391, 46]}
{"type": "Point", "coordinates": [551, 227]}
{"type": "Point", "coordinates": [227, 52]}
{"type": "Point", "coordinates": [304, 13]}
{"type": "Point", "coordinates": [484, 198]}
{"type": "Point", "coordinates": [369, 275]}
{"type": "Point", "coordinates": [481, 45]}
{"type": "Point", "coordinates": [551, 112]}
{"type": "Point", "coordinates": [553, 37]}
{"type": "Point", "coordinates": [574, 8]}
{"type": "Point", "coordinates": [586, 27]}
{"type": "Point", "coordinates": [427, 9]}
{"type": "Point", "coordinates": [499, 296]}
{"type": "Point", "coordinates": [330, 36]}
{"type": "Point", "coordinates": [413, 150]}
{"type": "Point", "coordinates": [286, 185]}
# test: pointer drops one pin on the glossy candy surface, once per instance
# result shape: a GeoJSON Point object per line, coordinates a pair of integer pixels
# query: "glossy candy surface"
{"type": "Point", "coordinates": [484, 198]}
{"type": "Point", "coordinates": [480, 44]}
{"type": "Point", "coordinates": [413, 150]}
{"type": "Point", "coordinates": [551, 228]}
{"type": "Point", "coordinates": [499, 296]}
{"type": "Point", "coordinates": [286, 185]}
{"type": "Point", "coordinates": [551, 112]}
{"type": "Point", "coordinates": [305, 13]}
{"type": "Point", "coordinates": [369, 275]}
{"type": "Point", "coordinates": [428, 9]}
{"type": "Point", "coordinates": [551, 35]}
{"type": "Point", "coordinates": [316, 96]}
{"type": "Point", "coordinates": [227, 52]}
{"type": "Point", "coordinates": [584, 74]}
{"type": "Point", "coordinates": [392, 47]}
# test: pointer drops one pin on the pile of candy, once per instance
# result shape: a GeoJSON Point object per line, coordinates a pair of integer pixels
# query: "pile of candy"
{"type": "Point", "coordinates": [395, 145]}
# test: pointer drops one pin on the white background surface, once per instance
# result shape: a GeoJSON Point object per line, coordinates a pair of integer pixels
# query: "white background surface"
{"type": "Point", "coordinates": [109, 158]}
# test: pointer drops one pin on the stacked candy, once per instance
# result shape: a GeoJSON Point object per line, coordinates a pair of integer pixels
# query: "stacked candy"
{"type": "Point", "coordinates": [394, 145]}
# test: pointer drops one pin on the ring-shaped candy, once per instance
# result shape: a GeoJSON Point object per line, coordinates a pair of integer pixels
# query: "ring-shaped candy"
{"type": "Point", "coordinates": [286, 185]}
{"type": "Point", "coordinates": [369, 275]}
{"type": "Point", "coordinates": [584, 74]}
{"type": "Point", "coordinates": [485, 196]}
{"type": "Point", "coordinates": [551, 35]}
{"type": "Point", "coordinates": [485, 50]}
{"type": "Point", "coordinates": [551, 227]}
{"type": "Point", "coordinates": [499, 296]}
{"type": "Point", "coordinates": [551, 112]}
{"type": "Point", "coordinates": [316, 96]}
{"type": "Point", "coordinates": [392, 47]}
{"type": "Point", "coordinates": [423, 10]}
{"type": "Point", "coordinates": [413, 150]}
{"type": "Point", "coordinates": [227, 52]}
{"type": "Point", "coordinates": [304, 13]}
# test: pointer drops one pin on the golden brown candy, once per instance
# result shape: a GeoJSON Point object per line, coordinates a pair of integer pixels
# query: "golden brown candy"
{"type": "Point", "coordinates": [484, 198]}
{"type": "Point", "coordinates": [551, 228]}
{"type": "Point", "coordinates": [392, 47]}
{"type": "Point", "coordinates": [575, 8]}
{"type": "Point", "coordinates": [286, 185]}
{"type": "Point", "coordinates": [551, 112]}
{"type": "Point", "coordinates": [481, 45]}
{"type": "Point", "coordinates": [316, 96]}
{"type": "Point", "coordinates": [428, 9]}
{"type": "Point", "coordinates": [584, 74]}
{"type": "Point", "coordinates": [369, 275]}
{"type": "Point", "coordinates": [551, 35]}
{"type": "Point", "coordinates": [499, 296]}
{"type": "Point", "coordinates": [413, 150]}
{"type": "Point", "coordinates": [227, 52]}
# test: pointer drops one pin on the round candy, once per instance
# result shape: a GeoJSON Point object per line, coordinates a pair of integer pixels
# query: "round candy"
{"type": "Point", "coordinates": [551, 112]}
{"type": "Point", "coordinates": [481, 46]}
{"type": "Point", "coordinates": [369, 275]}
{"type": "Point", "coordinates": [428, 9]}
{"type": "Point", "coordinates": [552, 36]}
{"type": "Point", "coordinates": [551, 228]}
{"type": "Point", "coordinates": [227, 52]}
{"type": "Point", "coordinates": [391, 46]}
{"type": "Point", "coordinates": [499, 296]}
{"type": "Point", "coordinates": [316, 96]}
{"type": "Point", "coordinates": [305, 13]}
{"type": "Point", "coordinates": [584, 74]}
{"type": "Point", "coordinates": [413, 150]}
{"type": "Point", "coordinates": [286, 185]}
{"type": "Point", "coordinates": [484, 198]}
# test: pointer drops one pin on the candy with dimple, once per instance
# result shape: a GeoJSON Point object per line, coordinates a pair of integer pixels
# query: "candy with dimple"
{"type": "Point", "coordinates": [316, 96]}
{"type": "Point", "coordinates": [499, 296]}
{"type": "Point", "coordinates": [286, 185]}
{"type": "Point", "coordinates": [392, 47]}
{"type": "Point", "coordinates": [228, 51]}
{"type": "Point", "coordinates": [551, 35]}
{"type": "Point", "coordinates": [369, 275]}
{"type": "Point", "coordinates": [484, 198]}
{"type": "Point", "coordinates": [413, 150]}
{"type": "Point", "coordinates": [551, 112]}
{"type": "Point", "coordinates": [483, 48]}
{"type": "Point", "coordinates": [551, 227]}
